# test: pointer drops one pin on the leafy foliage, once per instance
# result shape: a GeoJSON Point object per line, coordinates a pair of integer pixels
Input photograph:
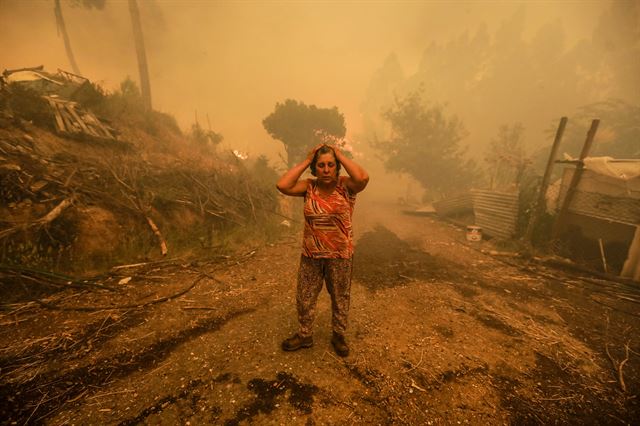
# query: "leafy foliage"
{"type": "Point", "coordinates": [28, 104]}
{"type": "Point", "coordinates": [424, 143]}
{"type": "Point", "coordinates": [262, 172]}
{"type": "Point", "coordinates": [619, 130]}
{"type": "Point", "coordinates": [126, 105]}
{"type": "Point", "coordinates": [204, 138]}
{"type": "Point", "coordinates": [505, 157]}
{"type": "Point", "coordinates": [489, 77]}
{"type": "Point", "coordinates": [618, 134]}
{"type": "Point", "coordinates": [296, 124]}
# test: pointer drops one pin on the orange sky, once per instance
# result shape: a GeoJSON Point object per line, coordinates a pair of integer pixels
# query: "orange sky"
{"type": "Point", "coordinates": [234, 60]}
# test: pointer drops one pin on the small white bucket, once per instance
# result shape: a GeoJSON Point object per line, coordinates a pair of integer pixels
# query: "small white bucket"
{"type": "Point", "coordinates": [474, 233]}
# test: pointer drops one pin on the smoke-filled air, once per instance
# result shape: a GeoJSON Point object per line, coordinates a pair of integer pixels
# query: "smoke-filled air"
{"type": "Point", "coordinates": [180, 180]}
{"type": "Point", "coordinates": [486, 64]}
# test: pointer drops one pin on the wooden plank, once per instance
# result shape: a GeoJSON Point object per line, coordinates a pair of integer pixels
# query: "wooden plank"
{"type": "Point", "coordinates": [95, 131]}
{"type": "Point", "coordinates": [95, 124]}
{"type": "Point", "coordinates": [68, 119]}
{"type": "Point", "coordinates": [99, 124]}
{"type": "Point", "coordinates": [71, 108]}
{"type": "Point", "coordinates": [59, 123]}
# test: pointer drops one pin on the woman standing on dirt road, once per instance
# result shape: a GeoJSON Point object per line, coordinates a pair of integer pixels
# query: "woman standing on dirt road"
{"type": "Point", "coordinates": [327, 244]}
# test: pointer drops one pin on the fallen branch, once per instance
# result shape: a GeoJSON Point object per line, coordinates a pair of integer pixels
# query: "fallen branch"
{"type": "Point", "coordinates": [618, 366]}
{"type": "Point", "coordinates": [134, 199]}
{"type": "Point", "coordinates": [154, 228]}
{"type": "Point", "coordinates": [198, 308]}
{"type": "Point", "coordinates": [49, 278]}
{"type": "Point", "coordinates": [120, 181]}
{"type": "Point", "coordinates": [49, 217]}
{"type": "Point", "coordinates": [117, 307]}
{"type": "Point", "coordinates": [211, 277]}
{"type": "Point", "coordinates": [154, 262]}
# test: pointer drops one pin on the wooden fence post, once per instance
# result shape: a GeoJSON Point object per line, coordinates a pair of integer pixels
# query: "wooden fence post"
{"type": "Point", "coordinates": [559, 223]}
{"type": "Point", "coordinates": [541, 201]}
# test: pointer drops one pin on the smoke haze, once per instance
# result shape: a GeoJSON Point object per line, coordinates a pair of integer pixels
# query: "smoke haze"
{"type": "Point", "coordinates": [233, 61]}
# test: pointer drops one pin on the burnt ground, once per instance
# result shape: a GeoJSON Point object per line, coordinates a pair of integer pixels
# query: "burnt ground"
{"type": "Point", "coordinates": [440, 332]}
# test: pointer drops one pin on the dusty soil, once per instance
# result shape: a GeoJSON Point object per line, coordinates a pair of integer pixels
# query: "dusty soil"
{"type": "Point", "coordinates": [440, 333]}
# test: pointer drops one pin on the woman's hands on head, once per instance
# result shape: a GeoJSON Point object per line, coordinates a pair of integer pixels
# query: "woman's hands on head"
{"type": "Point", "coordinates": [336, 150]}
{"type": "Point", "coordinates": [313, 151]}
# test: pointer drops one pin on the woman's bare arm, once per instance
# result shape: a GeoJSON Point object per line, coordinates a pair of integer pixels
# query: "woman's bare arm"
{"type": "Point", "coordinates": [290, 183]}
{"type": "Point", "coordinates": [358, 177]}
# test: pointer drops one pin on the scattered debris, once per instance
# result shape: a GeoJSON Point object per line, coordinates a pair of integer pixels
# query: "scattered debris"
{"type": "Point", "coordinates": [61, 91]}
{"type": "Point", "coordinates": [73, 120]}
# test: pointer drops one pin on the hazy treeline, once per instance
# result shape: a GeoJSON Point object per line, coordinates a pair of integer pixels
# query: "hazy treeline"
{"type": "Point", "coordinates": [511, 92]}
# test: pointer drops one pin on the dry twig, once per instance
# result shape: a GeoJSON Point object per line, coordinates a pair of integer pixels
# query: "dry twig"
{"type": "Point", "coordinates": [618, 366]}
{"type": "Point", "coordinates": [118, 307]}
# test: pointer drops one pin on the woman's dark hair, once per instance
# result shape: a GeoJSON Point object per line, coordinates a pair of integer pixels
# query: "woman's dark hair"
{"type": "Point", "coordinates": [323, 150]}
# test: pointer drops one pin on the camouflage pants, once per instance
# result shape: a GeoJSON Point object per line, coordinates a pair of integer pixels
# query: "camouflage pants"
{"type": "Point", "coordinates": [336, 273]}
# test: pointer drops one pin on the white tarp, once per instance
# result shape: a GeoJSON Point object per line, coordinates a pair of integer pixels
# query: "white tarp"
{"type": "Point", "coordinates": [28, 75]}
{"type": "Point", "coordinates": [619, 169]}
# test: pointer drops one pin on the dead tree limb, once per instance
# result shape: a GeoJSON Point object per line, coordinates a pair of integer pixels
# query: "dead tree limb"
{"type": "Point", "coordinates": [154, 228]}
{"type": "Point", "coordinates": [618, 366]}
{"type": "Point", "coordinates": [133, 198]}
{"type": "Point", "coordinates": [55, 212]}
{"type": "Point", "coordinates": [120, 181]}
{"type": "Point", "coordinates": [49, 278]}
{"type": "Point", "coordinates": [118, 307]}
{"type": "Point", "coordinates": [48, 218]}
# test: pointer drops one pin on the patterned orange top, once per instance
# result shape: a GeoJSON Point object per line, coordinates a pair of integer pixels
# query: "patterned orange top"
{"type": "Point", "coordinates": [327, 223]}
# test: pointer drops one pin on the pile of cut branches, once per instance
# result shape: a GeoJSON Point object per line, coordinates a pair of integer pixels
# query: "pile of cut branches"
{"type": "Point", "coordinates": [49, 190]}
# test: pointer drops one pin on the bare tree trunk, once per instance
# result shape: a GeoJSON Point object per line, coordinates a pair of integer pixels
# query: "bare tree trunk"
{"type": "Point", "coordinates": [62, 28]}
{"type": "Point", "coordinates": [145, 86]}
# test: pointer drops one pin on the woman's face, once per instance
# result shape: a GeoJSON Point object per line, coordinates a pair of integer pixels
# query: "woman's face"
{"type": "Point", "coordinates": [326, 167]}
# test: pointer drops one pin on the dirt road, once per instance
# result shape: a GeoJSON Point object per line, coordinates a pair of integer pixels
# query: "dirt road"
{"type": "Point", "coordinates": [440, 333]}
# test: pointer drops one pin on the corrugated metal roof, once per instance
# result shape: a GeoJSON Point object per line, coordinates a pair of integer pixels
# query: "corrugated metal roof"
{"type": "Point", "coordinates": [495, 212]}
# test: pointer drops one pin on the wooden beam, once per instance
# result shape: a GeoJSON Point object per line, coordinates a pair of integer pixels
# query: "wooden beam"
{"type": "Point", "coordinates": [66, 117]}
{"type": "Point", "coordinates": [59, 122]}
{"type": "Point", "coordinates": [561, 218]}
{"type": "Point", "coordinates": [102, 128]}
{"type": "Point", "coordinates": [541, 201]}
{"type": "Point", "coordinates": [71, 108]}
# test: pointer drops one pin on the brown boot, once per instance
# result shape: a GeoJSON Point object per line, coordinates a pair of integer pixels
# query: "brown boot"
{"type": "Point", "coordinates": [339, 344]}
{"type": "Point", "coordinates": [296, 342]}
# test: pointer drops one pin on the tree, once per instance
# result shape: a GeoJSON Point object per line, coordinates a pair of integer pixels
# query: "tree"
{"type": "Point", "coordinates": [424, 143]}
{"type": "Point", "coordinates": [296, 125]}
{"type": "Point", "coordinates": [505, 157]}
{"type": "Point", "coordinates": [617, 137]}
{"type": "Point", "coordinates": [380, 94]}
{"type": "Point", "coordinates": [205, 139]}
{"type": "Point", "coordinates": [138, 38]}
{"type": "Point", "coordinates": [62, 28]}
{"type": "Point", "coordinates": [619, 131]}
{"type": "Point", "coordinates": [262, 172]}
